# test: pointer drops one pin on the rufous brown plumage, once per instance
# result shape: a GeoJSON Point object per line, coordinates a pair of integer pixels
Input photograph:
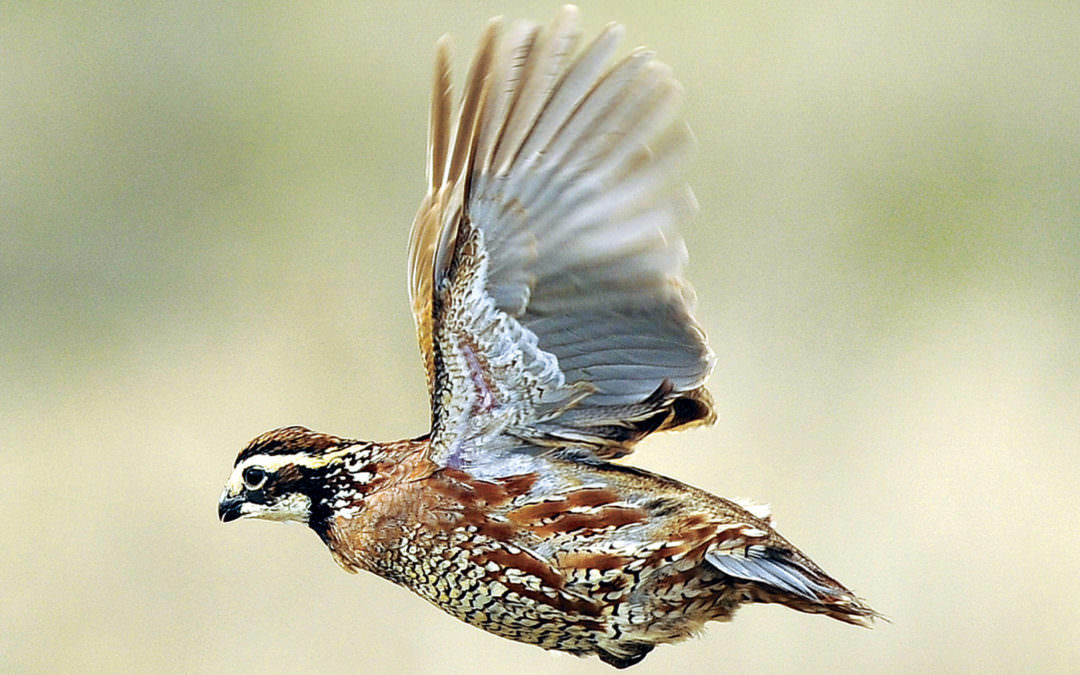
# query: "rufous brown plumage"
{"type": "Point", "coordinates": [554, 320]}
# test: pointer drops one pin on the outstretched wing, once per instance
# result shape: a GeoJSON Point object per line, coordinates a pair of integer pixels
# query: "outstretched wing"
{"type": "Point", "coordinates": [545, 263]}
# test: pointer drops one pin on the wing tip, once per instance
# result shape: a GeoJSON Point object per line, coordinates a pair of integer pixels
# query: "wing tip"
{"type": "Point", "coordinates": [439, 113]}
{"type": "Point", "coordinates": [568, 13]}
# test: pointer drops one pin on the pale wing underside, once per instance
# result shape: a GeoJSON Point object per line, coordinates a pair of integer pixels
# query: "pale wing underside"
{"type": "Point", "coordinates": [545, 263]}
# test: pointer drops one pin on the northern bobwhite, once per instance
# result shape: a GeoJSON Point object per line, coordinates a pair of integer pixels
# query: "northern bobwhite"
{"type": "Point", "coordinates": [546, 278]}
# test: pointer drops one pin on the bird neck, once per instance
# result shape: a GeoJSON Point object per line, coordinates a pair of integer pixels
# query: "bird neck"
{"type": "Point", "coordinates": [340, 488]}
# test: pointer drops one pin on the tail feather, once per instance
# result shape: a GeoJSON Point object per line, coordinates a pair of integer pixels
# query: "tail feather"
{"type": "Point", "coordinates": [778, 578]}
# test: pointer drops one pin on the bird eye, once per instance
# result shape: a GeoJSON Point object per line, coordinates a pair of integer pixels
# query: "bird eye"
{"type": "Point", "coordinates": [254, 477]}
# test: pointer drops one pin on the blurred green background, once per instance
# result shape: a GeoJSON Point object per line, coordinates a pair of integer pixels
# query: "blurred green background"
{"type": "Point", "coordinates": [203, 216]}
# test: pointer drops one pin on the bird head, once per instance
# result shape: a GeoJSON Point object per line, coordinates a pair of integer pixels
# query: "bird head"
{"type": "Point", "coordinates": [295, 474]}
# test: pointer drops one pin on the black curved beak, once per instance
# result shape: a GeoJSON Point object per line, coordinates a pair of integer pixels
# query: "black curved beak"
{"type": "Point", "coordinates": [229, 508]}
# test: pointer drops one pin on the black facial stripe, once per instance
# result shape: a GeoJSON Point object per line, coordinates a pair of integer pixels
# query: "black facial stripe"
{"type": "Point", "coordinates": [257, 497]}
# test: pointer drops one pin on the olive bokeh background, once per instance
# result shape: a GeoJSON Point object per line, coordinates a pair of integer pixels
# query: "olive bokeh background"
{"type": "Point", "coordinates": [203, 217]}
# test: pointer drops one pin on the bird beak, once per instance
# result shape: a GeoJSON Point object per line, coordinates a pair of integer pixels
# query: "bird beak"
{"type": "Point", "coordinates": [230, 508]}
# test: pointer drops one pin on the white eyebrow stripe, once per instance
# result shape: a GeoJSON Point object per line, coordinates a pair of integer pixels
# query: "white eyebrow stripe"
{"type": "Point", "coordinates": [273, 463]}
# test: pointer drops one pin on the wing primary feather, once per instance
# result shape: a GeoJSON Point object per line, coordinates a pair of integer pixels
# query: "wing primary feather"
{"type": "Point", "coordinates": [651, 106]}
{"type": "Point", "coordinates": [571, 89]}
{"type": "Point", "coordinates": [639, 184]}
{"type": "Point", "coordinates": [439, 121]}
{"type": "Point", "coordinates": [501, 85]}
{"type": "Point", "coordinates": [596, 102]}
{"type": "Point", "coordinates": [444, 250]}
{"type": "Point", "coordinates": [472, 99]}
{"type": "Point", "coordinates": [638, 111]}
{"type": "Point", "coordinates": [575, 203]}
{"type": "Point", "coordinates": [599, 100]}
{"type": "Point", "coordinates": [542, 65]}
{"type": "Point", "coordinates": [564, 37]}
